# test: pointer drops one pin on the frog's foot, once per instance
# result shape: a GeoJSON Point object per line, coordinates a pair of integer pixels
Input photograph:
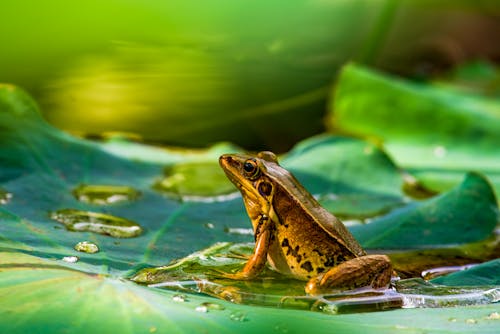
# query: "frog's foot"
{"type": "Point", "coordinates": [369, 270]}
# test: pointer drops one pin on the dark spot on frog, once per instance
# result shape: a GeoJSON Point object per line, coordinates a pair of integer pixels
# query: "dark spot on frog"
{"type": "Point", "coordinates": [340, 258]}
{"type": "Point", "coordinates": [331, 261]}
{"type": "Point", "coordinates": [285, 243]}
{"type": "Point", "coordinates": [263, 218]}
{"type": "Point", "coordinates": [318, 251]}
{"type": "Point", "coordinates": [292, 251]}
{"type": "Point", "coordinates": [319, 270]}
{"type": "Point", "coordinates": [307, 266]}
{"type": "Point", "coordinates": [282, 224]}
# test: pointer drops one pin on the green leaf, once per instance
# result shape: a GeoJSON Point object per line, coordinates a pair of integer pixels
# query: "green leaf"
{"type": "Point", "coordinates": [437, 134]}
{"type": "Point", "coordinates": [40, 295]}
{"type": "Point", "coordinates": [465, 214]}
{"type": "Point", "coordinates": [44, 170]}
{"type": "Point", "coordinates": [487, 273]}
{"type": "Point", "coordinates": [350, 177]}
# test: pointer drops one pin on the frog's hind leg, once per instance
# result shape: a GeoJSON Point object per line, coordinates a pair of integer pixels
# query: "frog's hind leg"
{"type": "Point", "coordinates": [368, 270]}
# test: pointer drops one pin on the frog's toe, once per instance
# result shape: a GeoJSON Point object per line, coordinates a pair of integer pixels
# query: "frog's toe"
{"type": "Point", "coordinates": [313, 286]}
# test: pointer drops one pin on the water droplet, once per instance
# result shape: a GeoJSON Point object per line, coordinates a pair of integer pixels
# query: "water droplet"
{"type": "Point", "coordinates": [238, 230]}
{"type": "Point", "coordinates": [71, 259]}
{"type": "Point", "coordinates": [104, 194]}
{"type": "Point", "coordinates": [76, 220]}
{"type": "Point", "coordinates": [452, 319]}
{"type": "Point", "coordinates": [86, 247]}
{"type": "Point", "coordinates": [440, 271]}
{"type": "Point", "coordinates": [439, 151]}
{"type": "Point", "coordinates": [493, 316]}
{"type": "Point", "coordinates": [4, 196]}
{"type": "Point", "coordinates": [209, 226]}
{"type": "Point", "coordinates": [238, 316]}
{"type": "Point", "coordinates": [201, 308]}
{"type": "Point", "coordinates": [213, 306]}
{"type": "Point", "coordinates": [471, 321]}
{"type": "Point", "coordinates": [179, 298]}
{"type": "Point", "coordinates": [281, 328]}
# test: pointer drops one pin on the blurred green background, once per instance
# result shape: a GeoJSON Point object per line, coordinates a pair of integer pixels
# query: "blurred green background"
{"type": "Point", "coordinates": [192, 73]}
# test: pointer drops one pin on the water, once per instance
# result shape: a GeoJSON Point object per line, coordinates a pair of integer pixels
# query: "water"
{"type": "Point", "coordinates": [86, 247]}
{"type": "Point", "coordinates": [5, 196]}
{"type": "Point", "coordinates": [82, 221]}
{"type": "Point", "coordinates": [71, 259]}
{"type": "Point", "coordinates": [493, 316]}
{"type": "Point", "coordinates": [179, 298]}
{"type": "Point", "coordinates": [105, 194]}
{"type": "Point", "coordinates": [440, 271]}
{"type": "Point", "coordinates": [201, 308]}
{"type": "Point", "coordinates": [417, 293]}
{"type": "Point", "coordinates": [239, 230]}
{"type": "Point", "coordinates": [201, 272]}
{"type": "Point", "coordinates": [238, 316]}
{"type": "Point", "coordinates": [213, 306]}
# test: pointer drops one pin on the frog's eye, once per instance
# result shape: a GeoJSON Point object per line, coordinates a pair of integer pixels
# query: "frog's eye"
{"type": "Point", "coordinates": [251, 169]}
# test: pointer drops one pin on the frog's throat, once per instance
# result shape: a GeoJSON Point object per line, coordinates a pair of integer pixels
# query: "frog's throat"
{"type": "Point", "coordinates": [248, 191]}
{"type": "Point", "coordinates": [244, 186]}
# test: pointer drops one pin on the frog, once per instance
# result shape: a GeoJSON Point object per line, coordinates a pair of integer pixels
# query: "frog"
{"type": "Point", "coordinates": [295, 235]}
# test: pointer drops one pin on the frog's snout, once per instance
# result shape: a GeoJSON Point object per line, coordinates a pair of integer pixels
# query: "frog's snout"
{"type": "Point", "coordinates": [225, 159]}
{"type": "Point", "coordinates": [228, 161]}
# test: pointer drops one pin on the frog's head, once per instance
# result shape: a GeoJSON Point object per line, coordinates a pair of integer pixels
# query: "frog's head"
{"type": "Point", "coordinates": [252, 175]}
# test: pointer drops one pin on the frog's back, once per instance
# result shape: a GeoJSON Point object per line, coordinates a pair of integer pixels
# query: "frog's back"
{"type": "Point", "coordinates": [310, 239]}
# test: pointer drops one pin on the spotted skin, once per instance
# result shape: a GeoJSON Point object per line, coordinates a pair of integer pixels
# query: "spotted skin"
{"type": "Point", "coordinates": [297, 236]}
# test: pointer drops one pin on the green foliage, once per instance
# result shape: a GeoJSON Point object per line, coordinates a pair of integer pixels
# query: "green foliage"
{"type": "Point", "coordinates": [482, 274]}
{"type": "Point", "coordinates": [351, 177]}
{"type": "Point", "coordinates": [41, 168]}
{"type": "Point", "coordinates": [437, 134]}
{"type": "Point", "coordinates": [465, 214]}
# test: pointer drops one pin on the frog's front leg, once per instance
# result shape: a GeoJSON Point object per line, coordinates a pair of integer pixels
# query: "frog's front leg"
{"type": "Point", "coordinates": [258, 259]}
{"type": "Point", "coordinates": [368, 270]}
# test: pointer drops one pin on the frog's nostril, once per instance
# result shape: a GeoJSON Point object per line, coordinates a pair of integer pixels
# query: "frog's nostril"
{"type": "Point", "coordinates": [225, 158]}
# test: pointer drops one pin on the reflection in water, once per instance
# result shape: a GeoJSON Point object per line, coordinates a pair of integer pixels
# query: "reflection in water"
{"type": "Point", "coordinates": [441, 271]}
{"type": "Point", "coordinates": [104, 194]}
{"type": "Point", "coordinates": [4, 196]}
{"type": "Point", "coordinates": [83, 221]}
{"type": "Point", "coordinates": [200, 272]}
{"type": "Point", "coordinates": [86, 247]}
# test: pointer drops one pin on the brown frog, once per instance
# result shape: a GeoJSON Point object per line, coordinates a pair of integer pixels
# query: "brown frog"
{"type": "Point", "coordinates": [295, 234]}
